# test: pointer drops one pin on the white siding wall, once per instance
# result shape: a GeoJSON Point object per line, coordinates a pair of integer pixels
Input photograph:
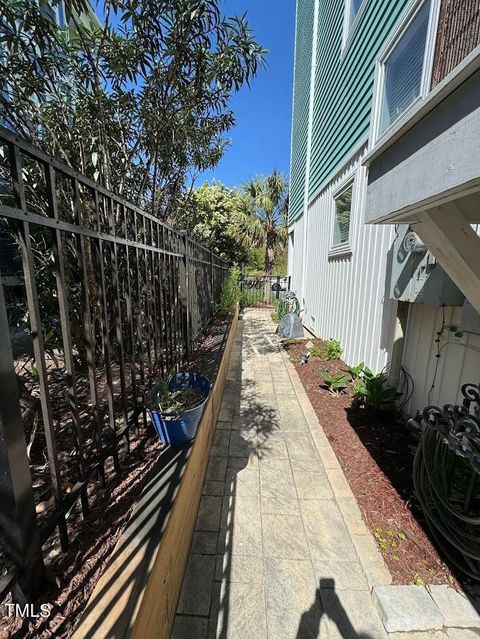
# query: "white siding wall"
{"type": "Point", "coordinates": [347, 295]}
{"type": "Point", "coordinates": [459, 360]}
{"type": "Point", "coordinates": [295, 258]}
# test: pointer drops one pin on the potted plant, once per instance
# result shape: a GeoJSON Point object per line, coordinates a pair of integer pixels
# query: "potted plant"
{"type": "Point", "coordinates": [176, 404]}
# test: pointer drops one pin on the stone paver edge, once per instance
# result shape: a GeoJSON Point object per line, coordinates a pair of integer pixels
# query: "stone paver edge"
{"type": "Point", "coordinates": [370, 558]}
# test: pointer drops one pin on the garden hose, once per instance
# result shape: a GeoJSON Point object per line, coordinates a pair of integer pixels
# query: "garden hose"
{"type": "Point", "coordinates": [447, 489]}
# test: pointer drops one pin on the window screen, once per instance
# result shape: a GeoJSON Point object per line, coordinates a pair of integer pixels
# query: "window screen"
{"type": "Point", "coordinates": [343, 205]}
{"type": "Point", "coordinates": [403, 69]}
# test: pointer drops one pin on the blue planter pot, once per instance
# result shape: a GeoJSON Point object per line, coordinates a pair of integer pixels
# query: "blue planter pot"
{"type": "Point", "coordinates": [182, 429]}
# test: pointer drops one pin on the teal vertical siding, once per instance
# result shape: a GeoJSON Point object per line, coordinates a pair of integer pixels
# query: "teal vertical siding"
{"type": "Point", "coordinates": [301, 95]}
{"type": "Point", "coordinates": [343, 92]}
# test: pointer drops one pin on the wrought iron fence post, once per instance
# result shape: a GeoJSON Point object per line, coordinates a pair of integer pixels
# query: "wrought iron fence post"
{"type": "Point", "coordinates": [278, 288]}
{"type": "Point", "coordinates": [185, 297]}
{"type": "Point", "coordinates": [18, 519]}
{"type": "Point", "coordinates": [212, 282]}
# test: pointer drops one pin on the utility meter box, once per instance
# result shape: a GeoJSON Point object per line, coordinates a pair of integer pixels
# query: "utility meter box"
{"type": "Point", "coordinates": [416, 275]}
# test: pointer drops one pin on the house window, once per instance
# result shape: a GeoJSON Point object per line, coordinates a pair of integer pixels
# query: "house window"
{"type": "Point", "coordinates": [56, 13]}
{"type": "Point", "coordinates": [353, 7]}
{"type": "Point", "coordinates": [403, 69]}
{"type": "Point", "coordinates": [341, 226]}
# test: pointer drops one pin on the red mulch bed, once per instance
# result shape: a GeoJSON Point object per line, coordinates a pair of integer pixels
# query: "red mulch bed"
{"type": "Point", "coordinates": [376, 455]}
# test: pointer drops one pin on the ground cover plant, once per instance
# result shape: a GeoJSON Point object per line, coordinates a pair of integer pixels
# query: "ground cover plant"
{"type": "Point", "coordinates": [375, 451]}
{"type": "Point", "coordinates": [335, 383]}
{"type": "Point", "coordinates": [332, 349]}
{"type": "Point", "coordinates": [372, 391]}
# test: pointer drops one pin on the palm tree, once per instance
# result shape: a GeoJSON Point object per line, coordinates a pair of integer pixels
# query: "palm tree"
{"type": "Point", "coordinates": [265, 202]}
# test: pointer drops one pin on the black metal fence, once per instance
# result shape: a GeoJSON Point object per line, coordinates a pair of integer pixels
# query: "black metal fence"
{"type": "Point", "coordinates": [107, 298]}
{"type": "Point", "coordinates": [256, 286]}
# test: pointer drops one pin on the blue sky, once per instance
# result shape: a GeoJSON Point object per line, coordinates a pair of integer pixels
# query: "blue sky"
{"type": "Point", "coordinates": [260, 141]}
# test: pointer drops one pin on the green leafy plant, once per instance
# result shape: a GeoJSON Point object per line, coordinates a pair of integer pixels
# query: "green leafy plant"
{"type": "Point", "coordinates": [161, 397]}
{"type": "Point", "coordinates": [332, 349]}
{"type": "Point", "coordinates": [335, 383]}
{"type": "Point", "coordinates": [418, 581]}
{"type": "Point", "coordinates": [281, 309]}
{"type": "Point", "coordinates": [355, 371]}
{"type": "Point", "coordinates": [155, 77]}
{"type": "Point", "coordinates": [372, 391]}
{"type": "Point", "coordinates": [315, 352]}
{"type": "Point", "coordinates": [231, 292]}
{"type": "Point", "coordinates": [389, 542]}
{"type": "Point", "coordinates": [251, 297]}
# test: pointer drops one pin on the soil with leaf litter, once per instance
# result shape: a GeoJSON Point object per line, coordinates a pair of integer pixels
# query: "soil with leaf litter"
{"type": "Point", "coordinates": [72, 575]}
{"type": "Point", "coordinates": [177, 401]}
{"type": "Point", "coordinates": [376, 455]}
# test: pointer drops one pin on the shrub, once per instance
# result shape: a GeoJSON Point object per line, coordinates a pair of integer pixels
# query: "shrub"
{"type": "Point", "coordinates": [251, 297]}
{"type": "Point", "coordinates": [332, 349]}
{"type": "Point", "coordinates": [355, 371]}
{"type": "Point", "coordinates": [372, 392]}
{"type": "Point", "coordinates": [335, 383]}
{"type": "Point", "coordinates": [231, 292]}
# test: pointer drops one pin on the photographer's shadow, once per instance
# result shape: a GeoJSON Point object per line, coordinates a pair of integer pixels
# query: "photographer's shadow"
{"type": "Point", "coordinates": [330, 607]}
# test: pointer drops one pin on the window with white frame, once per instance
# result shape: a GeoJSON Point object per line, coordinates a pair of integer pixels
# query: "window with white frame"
{"type": "Point", "coordinates": [404, 68]}
{"type": "Point", "coordinates": [341, 223]}
{"type": "Point", "coordinates": [352, 9]}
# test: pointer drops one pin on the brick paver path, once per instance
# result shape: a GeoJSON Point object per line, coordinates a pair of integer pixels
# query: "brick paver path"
{"type": "Point", "coordinates": [276, 548]}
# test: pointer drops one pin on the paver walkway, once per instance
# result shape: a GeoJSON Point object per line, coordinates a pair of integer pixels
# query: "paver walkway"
{"type": "Point", "coordinates": [273, 555]}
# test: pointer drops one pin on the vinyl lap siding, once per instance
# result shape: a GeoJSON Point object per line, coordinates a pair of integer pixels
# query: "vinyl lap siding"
{"type": "Point", "coordinates": [344, 83]}
{"type": "Point", "coordinates": [458, 364]}
{"type": "Point", "coordinates": [348, 295]}
{"type": "Point", "coordinates": [301, 95]}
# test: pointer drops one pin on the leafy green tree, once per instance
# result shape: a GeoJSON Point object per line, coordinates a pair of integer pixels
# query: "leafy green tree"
{"type": "Point", "coordinates": [212, 216]}
{"type": "Point", "coordinates": [255, 262]}
{"type": "Point", "coordinates": [264, 218]}
{"type": "Point", "coordinates": [139, 102]}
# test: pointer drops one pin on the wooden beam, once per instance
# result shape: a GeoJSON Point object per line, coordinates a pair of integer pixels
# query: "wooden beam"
{"type": "Point", "coordinates": [449, 236]}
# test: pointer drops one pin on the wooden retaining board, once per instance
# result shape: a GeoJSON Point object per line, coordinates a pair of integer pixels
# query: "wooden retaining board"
{"type": "Point", "coordinates": [137, 594]}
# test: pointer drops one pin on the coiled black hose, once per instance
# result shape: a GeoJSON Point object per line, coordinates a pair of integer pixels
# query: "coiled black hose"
{"type": "Point", "coordinates": [447, 488]}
